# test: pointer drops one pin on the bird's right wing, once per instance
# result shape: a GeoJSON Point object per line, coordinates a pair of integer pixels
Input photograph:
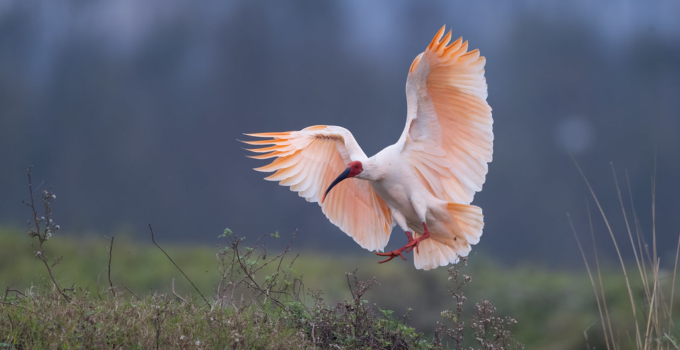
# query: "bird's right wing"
{"type": "Point", "coordinates": [309, 160]}
{"type": "Point", "coordinates": [448, 137]}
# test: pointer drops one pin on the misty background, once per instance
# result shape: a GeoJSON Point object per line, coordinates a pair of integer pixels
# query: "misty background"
{"type": "Point", "coordinates": [132, 111]}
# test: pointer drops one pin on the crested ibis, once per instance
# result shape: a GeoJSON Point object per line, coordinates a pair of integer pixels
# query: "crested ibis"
{"type": "Point", "coordinates": [424, 182]}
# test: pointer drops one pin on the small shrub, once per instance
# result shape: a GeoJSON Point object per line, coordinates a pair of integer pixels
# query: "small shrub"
{"type": "Point", "coordinates": [354, 324]}
{"type": "Point", "coordinates": [486, 331]}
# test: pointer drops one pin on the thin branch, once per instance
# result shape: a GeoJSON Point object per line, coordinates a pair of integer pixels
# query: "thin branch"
{"type": "Point", "coordinates": [111, 283]}
{"type": "Point", "coordinates": [32, 205]}
{"type": "Point", "coordinates": [11, 330]}
{"type": "Point", "coordinates": [9, 289]}
{"type": "Point", "coordinates": [585, 333]}
{"type": "Point", "coordinates": [158, 324]}
{"type": "Point", "coordinates": [54, 280]}
{"type": "Point", "coordinates": [349, 284]}
{"type": "Point", "coordinates": [40, 253]}
{"type": "Point", "coordinates": [173, 291]}
{"type": "Point", "coordinates": [313, 337]}
{"type": "Point", "coordinates": [15, 291]}
{"type": "Point", "coordinates": [249, 276]}
{"type": "Point", "coordinates": [99, 276]}
{"type": "Point", "coordinates": [133, 293]}
{"type": "Point", "coordinates": [173, 262]}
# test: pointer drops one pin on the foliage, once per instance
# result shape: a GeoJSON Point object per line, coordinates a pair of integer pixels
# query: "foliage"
{"type": "Point", "coordinates": [259, 303]}
{"type": "Point", "coordinates": [355, 324]}
{"type": "Point", "coordinates": [553, 307]}
{"type": "Point", "coordinates": [268, 314]}
{"type": "Point", "coordinates": [40, 320]}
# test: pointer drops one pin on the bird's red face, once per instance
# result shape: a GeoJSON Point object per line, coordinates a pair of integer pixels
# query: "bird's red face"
{"type": "Point", "coordinates": [353, 169]}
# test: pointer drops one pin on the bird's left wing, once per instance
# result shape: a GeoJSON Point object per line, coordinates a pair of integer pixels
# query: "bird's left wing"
{"type": "Point", "coordinates": [448, 138]}
{"type": "Point", "coordinates": [309, 160]}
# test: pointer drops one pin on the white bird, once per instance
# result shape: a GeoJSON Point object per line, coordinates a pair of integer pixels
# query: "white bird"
{"type": "Point", "coordinates": [424, 183]}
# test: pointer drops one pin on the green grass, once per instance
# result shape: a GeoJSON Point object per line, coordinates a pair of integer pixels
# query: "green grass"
{"type": "Point", "coordinates": [46, 322]}
{"type": "Point", "coordinates": [237, 315]}
{"type": "Point", "coordinates": [552, 308]}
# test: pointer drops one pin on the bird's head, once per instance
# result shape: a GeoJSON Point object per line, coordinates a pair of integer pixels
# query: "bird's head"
{"type": "Point", "coordinates": [354, 168]}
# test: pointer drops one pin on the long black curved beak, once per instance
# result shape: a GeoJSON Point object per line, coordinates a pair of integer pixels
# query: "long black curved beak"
{"type": "Point", "coordinates": [342, 176]}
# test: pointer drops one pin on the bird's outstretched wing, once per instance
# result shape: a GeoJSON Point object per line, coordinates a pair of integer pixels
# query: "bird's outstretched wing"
{"type": "Point", "coordinates": [309, 160]}
{"type": "Point", "coordinates": [448, 137]}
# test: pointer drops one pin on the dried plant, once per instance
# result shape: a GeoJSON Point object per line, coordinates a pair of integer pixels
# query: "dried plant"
{"type": "Point", "coordinates": [42, 227]}
{"type": "Point", "coordinates": [486, 331]}
{"type": "Point", "coordinates": [240, 267]}
{"type": "Point", "coordinates": [354, 324]}
{"type": "Point", "coordinates": [652, 306]}
{"type": "Point", "coordinates": [492, 332]}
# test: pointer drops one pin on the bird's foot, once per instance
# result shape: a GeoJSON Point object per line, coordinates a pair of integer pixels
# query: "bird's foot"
{"type": "Point", "coordinates": [413, 243]}
{"type": "Point", "coordinates": [395, 253]}
{"type": "Point", "coordinates": [391, 255]}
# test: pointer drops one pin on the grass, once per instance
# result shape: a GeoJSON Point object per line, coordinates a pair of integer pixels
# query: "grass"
{"type": "Point", "coordinates": [90, 294]}
{"type": "Point", "coordinates": [250, 308]}
{"type": "Point", "coordinates": [45, 321]}
{"type": "Point", "coordinates": [552, 307]}
{"type": "Point", "coordinates": [255, 301]}
{"type": "Point", "coordinates": [650, 324]}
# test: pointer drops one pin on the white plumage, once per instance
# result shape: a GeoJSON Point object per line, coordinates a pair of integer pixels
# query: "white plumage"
{"type": "Point", "coordinates": [424, 183]}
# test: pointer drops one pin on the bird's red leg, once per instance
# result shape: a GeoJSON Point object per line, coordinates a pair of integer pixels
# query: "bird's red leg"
{"type": "Point", "coordinates": [413, 243]}
{"type": "Point", "coordinates": [395, 253]}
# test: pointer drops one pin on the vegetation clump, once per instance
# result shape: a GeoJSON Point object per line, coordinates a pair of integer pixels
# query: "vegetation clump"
{"type": "Point", "coordinates": [260, 302]}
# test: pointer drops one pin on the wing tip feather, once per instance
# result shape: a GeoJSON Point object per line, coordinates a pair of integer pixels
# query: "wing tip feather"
{"type": "Point", "coordinates": [436, 38]}
{"type": "Point", "coordinates": [262, 156]}
{"type": "Point", "coordinates": [442, 44]}
{"type": "Point", "coordinates": [283, 134]}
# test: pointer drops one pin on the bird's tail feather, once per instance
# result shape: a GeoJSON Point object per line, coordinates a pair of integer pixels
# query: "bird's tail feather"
{"type": "Point", "coordinates": [468, 220]}
{"type": "Point", "coordinates": [465, 228]}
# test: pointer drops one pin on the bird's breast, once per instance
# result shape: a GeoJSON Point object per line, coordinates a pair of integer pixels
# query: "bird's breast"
{"type": "Point", "coordinates": [397, 188]}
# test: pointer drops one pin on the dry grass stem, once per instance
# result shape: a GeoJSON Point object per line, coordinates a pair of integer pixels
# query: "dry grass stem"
{"type": "Point", "coordinates": [656, 302]}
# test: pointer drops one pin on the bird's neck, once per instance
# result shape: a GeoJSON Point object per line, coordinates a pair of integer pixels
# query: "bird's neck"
{"type": "Point", "coordinates": [372, 170]}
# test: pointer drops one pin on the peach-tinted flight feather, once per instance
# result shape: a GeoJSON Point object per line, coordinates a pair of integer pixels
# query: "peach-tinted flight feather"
{"type": "Point", "coordinates": [448, 137]}
{"type": "Point", "coordinates": [309, 160]}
